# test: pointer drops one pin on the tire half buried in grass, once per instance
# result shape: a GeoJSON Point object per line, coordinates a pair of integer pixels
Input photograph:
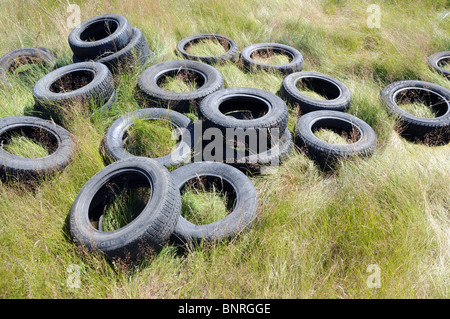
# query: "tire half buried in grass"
{"type": "Point", "coordinates": [114, 143]}
{"type": "Point", "coordinates": [229, 179]}
{"type": "Point", "coordinates": [421, 108]}
{"type": "Point", "coordinates": [336, 94]}
{"type": "Point", "coordinates": [206, 79]}
{"type": "Point", "coordinates": [148, 230]}
{"type": "Point", "coordinates": [86, 83]}
{"type": "Point", "coordinates": [56, 139]}
{"type": "Point", "coordinates": [231, 48]}
{"type": "Point", "coordinates": [362, 139]}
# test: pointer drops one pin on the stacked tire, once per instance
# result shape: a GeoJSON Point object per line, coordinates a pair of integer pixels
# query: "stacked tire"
{"type": "Point", "coordinates": [109, 39]}
{"type": "Point", "coordinates": [328, 113]}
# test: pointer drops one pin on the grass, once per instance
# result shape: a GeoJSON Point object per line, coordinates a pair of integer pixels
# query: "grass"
{"type": "Point", "coordinates": [23, 146]}
{"type": "Point", "coordinates": [210, 47]}
{"type": "Point", "coordinates": [317, 232]}
{"type": "Point", "coordinates": [201, 206]}
{"type": "Point", "coordinates": [150, 138]}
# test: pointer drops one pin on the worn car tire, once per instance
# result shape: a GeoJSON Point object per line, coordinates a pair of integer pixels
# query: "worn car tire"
{"type": "Point", "coordinates": [113, 141]}
{"type": "Point", "coordinates": [429, 130]}
{"type": "Point", "coordinates": [111, 32]}
{"type": "Point", "coordinates": [217, 110]}
{"type": "Point", "coordinates": [295, 64]}
{"type": "Point", "coordinates": [27, 168]}
{"type": "Point", "coordinates": [435, 60]}
{"type": "Point", "coordinates": [242, 216]}
{"type": "Point", "coordinates": [338, 94]}
{"type": "Point", "coordinates": [97, 86]}
{"type": "Point", "coordinates": [231, 54]}
{"type": "Point", "coordinates": [210, 80]}
{"type": "Point", "coordinates": [326, 154]}
{"type": "Point", "coordinates": [26, 55]}
{"type": "Point", "coordinates": [150, 230]}
{"type": "Point", "coordinates": [135, 53]}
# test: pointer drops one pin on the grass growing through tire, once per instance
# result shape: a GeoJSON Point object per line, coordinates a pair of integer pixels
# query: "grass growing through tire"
{"type": "Point", "coordinates": [208, 47]}
{"type": "Point", "coordinates": [316, 232]}
{"type": "Point", "coordinates": [150, 138]}
{"type": "Point", "coordinates": [23, 146]}
{"type": "Point", "coordinates": [202, 207]}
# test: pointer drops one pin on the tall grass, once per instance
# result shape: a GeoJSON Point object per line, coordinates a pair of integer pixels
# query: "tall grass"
{"type": "Point", "coordinates": [317, 232]}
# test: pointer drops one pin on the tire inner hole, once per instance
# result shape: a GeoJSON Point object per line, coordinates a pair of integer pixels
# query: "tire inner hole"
{"type": "Point", "coordinates": [119, 201]}
{"type": "Point", "coordinates": [271, 56]}
{"type": "Point", "coordinates": [151, 137]}
{"type": "Point", "coordinates": [72, 81]}
{"type": "Point", "coordinates": [243, 107]}
{"type": "Point", "coordinates": [317, 88]}
{"type": "Point", "coordinates": [207, 46]}
{"type": "Point", "coordinates": [336, 131]}
{"type": "Point", "coordinates": [181, 80]}
{"type": "Point", "coordinates": [99, 30]}
{"type": "Point", "coordinates": [206, 199]}
{"type": "Point", "coordinates": [29, 142]}
{"type": "Point", "coordinates": [421, 103]}
{"type": "Point", "coordinates": [444, 63]}
{"type": "Point", "coordinates": [25, 64]}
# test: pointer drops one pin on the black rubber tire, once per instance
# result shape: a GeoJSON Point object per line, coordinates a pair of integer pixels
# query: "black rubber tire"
{"type": "Point", "coordinates": [113, 141]}
{"type": "Point", "coordinates": [150, 229]}
{"type": "Point", "coordinates": [115, 41]}
{"type": "Point", "coordinates": [99, 90]}
{"type": "Point", "coordinates": [43, 55]}
{"type": "Point", "coordinates": [240, 219]}
{"type": "Point", "coordinates": [434, 61]}
{"type": "Point", "coordinates": [29, 168]}
{"type": "Point", "coordinates": [273, 156]}
{"type": "Point", "coordinates": [135, 53]}
{"type": "Point", "coordinates": [148, 84]}
{"type": "Point", "coordinates": [429, 130]}
{"type": "Point", "coordinates": [232, 53]}
{"type": "Point", "coordinates": [339, 93]}
{"type": "Point", "coordinates": [275, 117]}
{"type": "Point", "coordinates": [327, 154]}
{"type": "Point", "coordinates": [295, 65]}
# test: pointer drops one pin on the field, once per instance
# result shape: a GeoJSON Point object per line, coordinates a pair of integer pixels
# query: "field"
{"type": "Point", "coordinates": [318, 234]}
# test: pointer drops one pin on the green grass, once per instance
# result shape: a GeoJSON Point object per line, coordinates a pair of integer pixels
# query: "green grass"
{"type": "Point", "coordinates": [317, 232]}
{"type": "Point", "coordinates": [150, 138]}
{"type": "Point", "coordinates": [200, 206]}
{"type": "Point", "coordinates": [21, 145]}
{"type": "Point", "coordinates": [210, 47]}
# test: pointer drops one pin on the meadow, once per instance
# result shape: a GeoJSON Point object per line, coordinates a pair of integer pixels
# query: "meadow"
{"type": "Point", "coordinates": [318, 233]}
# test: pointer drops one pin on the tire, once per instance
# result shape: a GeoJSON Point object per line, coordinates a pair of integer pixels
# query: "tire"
{"type": "Point", "coordinates": [295, 65]}
{"type": "Point", "coordinates": [29, 168]}
{"type": "Point", "coordinates": [112, 40]}
{"type": "Point", "coordinates": [49, 93]}
{"type": "Point", "coordinates": [271, 157]}
{"type": "Point", "coordinates": [434, 61]}
{"type": "Point", "coordinates": [29, 55]}
{"type": "Point", "coordinates": [327, 154]}
{"type": "Point", "coordinates": [240, 219]}
{"type": "Point", "coordinates": [151, 229]}
{"type": "Point", "coordinates": [338, 95]}
{"type": "Point", "coordinates": [232, 53]}
{"type": "Point", "coordinates": [429, 130]}
{"type": "Point", "coordinates": [114, 138]}
{"type": "Point", "coordinates": [210, 81]}
{"type": "Point", "coordinates": [213, 110]}
{"type": "Point", "coordinates": [135, 53]}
